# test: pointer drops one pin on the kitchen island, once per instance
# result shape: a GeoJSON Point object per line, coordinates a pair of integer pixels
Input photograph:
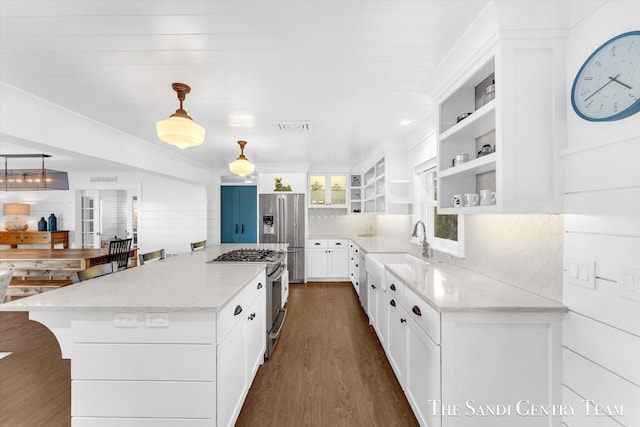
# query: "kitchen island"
{"type": "Point", "coordinates": [155, 345]}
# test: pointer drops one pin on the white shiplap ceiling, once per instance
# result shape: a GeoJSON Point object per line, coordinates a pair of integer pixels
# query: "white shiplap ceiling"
{"type": "Point", "coordinates": [352, 68]}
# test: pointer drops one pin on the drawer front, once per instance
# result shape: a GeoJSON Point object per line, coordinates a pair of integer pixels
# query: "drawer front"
{"type": "Point", "coordinates": [35, 238]}
{"type": "Point", "coordinates": [237, 308]}
{"type": "Point", "coordinates": [337, 243]}
{"type": "Point", "coordinates": [234, 311]}
{"type": "Point", "coordinates": [425, 316]}
{"type": "Point", "coordinates": [316, 243]}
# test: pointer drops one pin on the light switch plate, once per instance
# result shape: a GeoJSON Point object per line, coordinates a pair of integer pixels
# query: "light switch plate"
{"type": "Point", "coordinates": [581, 272]}
{"type": "Point", "coordinates": [629, 283]}
{"type": "Point", "coordinates": [157, 320]}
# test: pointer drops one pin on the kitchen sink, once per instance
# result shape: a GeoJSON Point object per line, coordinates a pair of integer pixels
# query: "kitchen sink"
{"type": "Point", "coordinates": [374, 264]}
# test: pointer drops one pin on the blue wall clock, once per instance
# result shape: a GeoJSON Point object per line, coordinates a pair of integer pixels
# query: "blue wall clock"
{"type": "Point", "coordinates": [607, 87]}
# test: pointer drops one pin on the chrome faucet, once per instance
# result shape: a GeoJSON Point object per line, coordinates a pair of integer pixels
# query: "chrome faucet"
{"type": "Point", "coordinates": [425, 244]}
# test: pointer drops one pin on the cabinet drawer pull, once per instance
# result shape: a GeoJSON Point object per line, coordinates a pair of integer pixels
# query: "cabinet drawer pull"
{"type": "Point", "coordinates": [402, 320]}
{"type": "Point", "coordinates": [238, 310]}
{"type": "Point", "coordinates": [416, 310]}
{"type": "Point", "coordinates": [252, 316]}
{"type": "Point", "coordinates": [392, 302]}
{"type": "Point", "coordinates": [317, 244]}
{"type": "Point", "coordinates": [338, 244]}
{"type": "Point", "coordinates": [373, 286]}
{"type": "Point", "coordinates": [392, 287]}
{"type": "Point", "coordinates": [260, 285]}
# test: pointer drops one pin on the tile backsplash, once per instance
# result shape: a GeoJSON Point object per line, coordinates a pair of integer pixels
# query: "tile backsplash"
{"type": "Point", "coordinates": [523, 250]}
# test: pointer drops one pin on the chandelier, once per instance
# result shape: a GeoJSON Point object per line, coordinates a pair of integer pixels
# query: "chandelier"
{"type": "Point", "coordinates": [31, 179]}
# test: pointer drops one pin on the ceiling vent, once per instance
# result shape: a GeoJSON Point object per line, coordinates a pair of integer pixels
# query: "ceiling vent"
{"type": "Point", "coordinates": [294, 126]}
{"type": "Point", "coordinates": [103, 179]}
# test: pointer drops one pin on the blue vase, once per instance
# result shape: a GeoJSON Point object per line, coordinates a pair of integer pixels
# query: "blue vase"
{"type": "Point", "coordinates": [53, 223]}
{"type": "Point", "coordinates": [42, 224]}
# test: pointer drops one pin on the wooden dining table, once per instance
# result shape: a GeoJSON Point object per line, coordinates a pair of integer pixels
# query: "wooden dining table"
{"type": "Point", "coordinates": [39, 270]}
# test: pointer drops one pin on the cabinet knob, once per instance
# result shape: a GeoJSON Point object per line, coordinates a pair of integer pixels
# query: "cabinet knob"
{"type": "Point", "coordinates": [416, 310]}
{"type": "Point", "coordinates": [356, 265]}
{"type": "Point", "coordinates": [392, 302]}
{"type": "Point", "coordinates": [238, 310]}
{"type": "Point", "coordinates": [402, 320]}
{"type": "Point", "coordinates": [392, 287]}
{"type": "Point", "coordinates": [373, 286]}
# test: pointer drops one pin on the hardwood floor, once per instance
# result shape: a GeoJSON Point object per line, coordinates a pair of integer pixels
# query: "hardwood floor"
{"type": "Point", "coordinates": [35, 385]}
{"type": "Point", "coordinates": [328, 368]}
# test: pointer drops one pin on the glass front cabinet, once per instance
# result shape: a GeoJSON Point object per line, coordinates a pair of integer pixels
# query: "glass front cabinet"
{"type": "Point", "coordinates": [328, 191]}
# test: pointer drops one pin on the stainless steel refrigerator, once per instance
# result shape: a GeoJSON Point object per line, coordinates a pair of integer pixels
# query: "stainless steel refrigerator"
{"type": "Point", "coordinates": [282, 221]}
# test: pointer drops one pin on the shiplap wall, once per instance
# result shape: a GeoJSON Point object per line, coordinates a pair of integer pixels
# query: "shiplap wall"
{"type": "Point", "coordinates": [114, 214]}
{"type": "Point", "coordinates": [602, 223]}
{"type": "Point", "coordinates": [171, 213]}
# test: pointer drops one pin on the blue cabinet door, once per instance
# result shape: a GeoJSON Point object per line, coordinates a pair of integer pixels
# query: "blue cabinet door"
{"type": "Point", "coordinates": [238, 214]}
{"type": "Point", "coordinates": [248, 214]}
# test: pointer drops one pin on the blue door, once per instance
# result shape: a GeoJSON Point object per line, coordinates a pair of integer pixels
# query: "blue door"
{"type": "Point", "coordinates": [238, 214]}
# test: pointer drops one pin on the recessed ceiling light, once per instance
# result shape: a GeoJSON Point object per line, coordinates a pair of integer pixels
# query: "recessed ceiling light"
{"type": "Point", "coordinates": [405, 122]}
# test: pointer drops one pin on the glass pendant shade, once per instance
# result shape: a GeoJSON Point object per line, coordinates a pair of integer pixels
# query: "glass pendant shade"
{"type": "Point", "coordinates": [242, 166]}
{"type": "Point", "coordinates": [179, 129]}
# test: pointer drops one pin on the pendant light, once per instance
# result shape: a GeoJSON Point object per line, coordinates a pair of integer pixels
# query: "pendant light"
{"type": "Point", "coordinates": [180, 129]}
{"type": "Point", "coordinates": [241, 166]}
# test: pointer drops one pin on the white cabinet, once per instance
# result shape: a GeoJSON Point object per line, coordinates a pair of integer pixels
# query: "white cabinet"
{"type": "Point", "coordinates": [240, 350]}
{"type": "Point", "coordinates": [511, 132]}
{"type": "Point", "coordinates": [459, 357]}
{"type": "Point", "coordinates": [422, 379]}
{"type": "Point", "coordinates": [328, 190]}
{"type": "Point", "coordinates": [385, 184]}
{"type": "Point", "coordinates": [354, 266]}
{"type": "Point", "coordinates": [328, 259]}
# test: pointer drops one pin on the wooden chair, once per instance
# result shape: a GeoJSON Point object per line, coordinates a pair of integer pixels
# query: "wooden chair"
{"type": "Point", "coordinates": [152, 256]}
{"type": "Point", "coordinates": [119, 252]}
{"type": "Point", "coordinates": [5, 279]}
{"type": "Point", "coordinates": [198, 245]}
{"type": "Point", "coordinates": [95, 271]}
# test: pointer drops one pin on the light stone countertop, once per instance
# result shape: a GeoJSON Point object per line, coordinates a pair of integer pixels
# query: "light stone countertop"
{"type": "Point", "coordinates": [448, 288]}
{"type": "Point", "coordinates": [180, 283]}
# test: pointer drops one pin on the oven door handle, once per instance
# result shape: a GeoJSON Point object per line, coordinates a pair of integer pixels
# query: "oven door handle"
{"type": "Point", "coordinates": [276, 334]}
{"type": "Point", "coordinates": [276, 275]}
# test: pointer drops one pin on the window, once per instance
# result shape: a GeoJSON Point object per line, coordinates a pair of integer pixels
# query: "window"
{"type": "Point", "coordinates": [445, 233]}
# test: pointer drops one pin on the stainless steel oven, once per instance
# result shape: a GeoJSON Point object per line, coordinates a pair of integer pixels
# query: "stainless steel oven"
{"type": "Point", "coordinates": [276, 268]}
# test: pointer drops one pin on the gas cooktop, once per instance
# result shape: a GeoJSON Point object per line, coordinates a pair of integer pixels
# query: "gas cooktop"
{"type": "Point", "coordinates": [250, 255]}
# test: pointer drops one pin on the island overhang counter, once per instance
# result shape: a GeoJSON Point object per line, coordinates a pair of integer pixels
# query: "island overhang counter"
{"type": "Point", "coordinates": [172, 343]}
